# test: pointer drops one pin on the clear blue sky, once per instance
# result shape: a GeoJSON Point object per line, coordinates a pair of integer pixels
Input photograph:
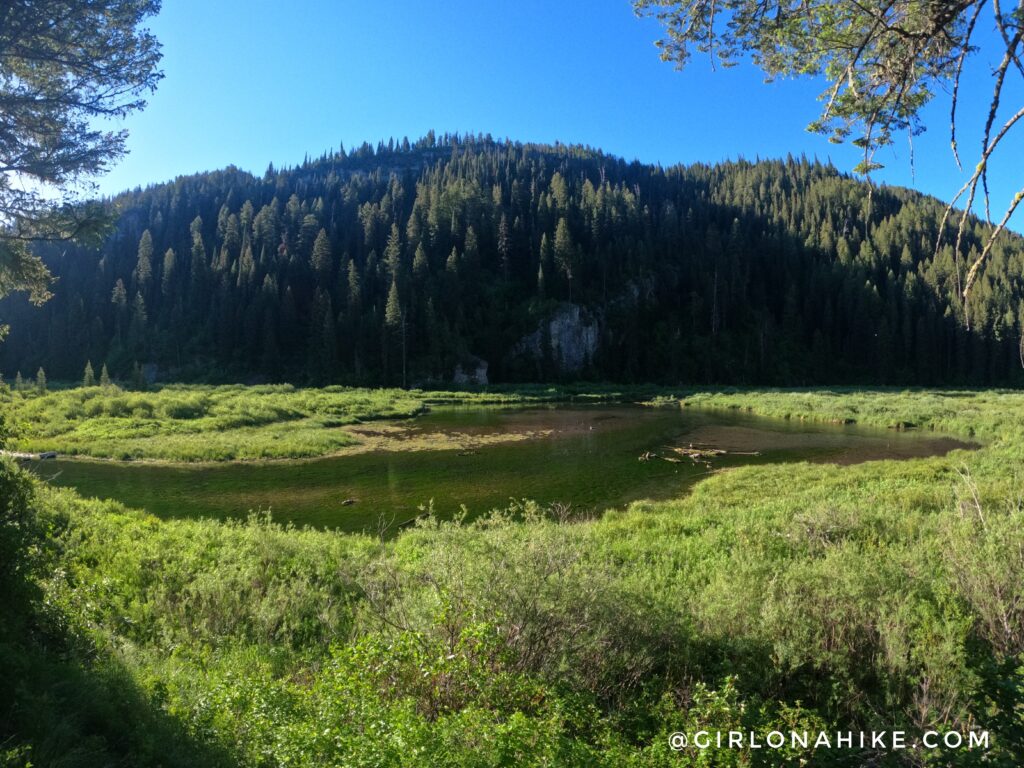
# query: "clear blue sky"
{"type": "Point", "coordinates": [248, 83]}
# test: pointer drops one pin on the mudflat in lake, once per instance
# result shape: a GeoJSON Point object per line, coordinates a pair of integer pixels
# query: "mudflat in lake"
{"type": "Point", "coordinates": [593, 457]}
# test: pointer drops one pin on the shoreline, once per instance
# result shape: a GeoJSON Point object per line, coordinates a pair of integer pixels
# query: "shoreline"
{"type": "Point", "coordinates": [397, 434]}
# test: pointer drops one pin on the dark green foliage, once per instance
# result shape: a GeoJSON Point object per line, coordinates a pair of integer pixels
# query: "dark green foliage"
{"type": "Point", "coordinates": [67, 701]}
{"type": "Point", "coordinates": [144, 266]}
{"type": "Point", "coordinates": [774, 272]}
{"type": "Point", "coordinates": [19, 534]}
{"type": "Point", "coordinates": [66, 66]}
{"type": "Point", "coordinates": [138, 378]}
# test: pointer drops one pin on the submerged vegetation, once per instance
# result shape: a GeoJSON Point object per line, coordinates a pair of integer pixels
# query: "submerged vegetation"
{"type": "Point", "coordinates": [879, 596]}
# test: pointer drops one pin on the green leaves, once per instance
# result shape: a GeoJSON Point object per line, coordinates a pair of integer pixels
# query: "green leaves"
{"type": "Point", "coordinates": [66, 65]}
{"type": "Point", "coordinates": [866, 166]}
{"type": "Point", "coordinates": [881, 58]}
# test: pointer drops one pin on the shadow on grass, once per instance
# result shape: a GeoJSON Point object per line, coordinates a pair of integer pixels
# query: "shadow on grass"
{"type": "Point", "coordinates": [62, 706]}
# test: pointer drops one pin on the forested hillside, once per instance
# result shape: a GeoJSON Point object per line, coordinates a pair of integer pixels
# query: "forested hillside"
{"type": "Point", "coordinates": [401, 262]}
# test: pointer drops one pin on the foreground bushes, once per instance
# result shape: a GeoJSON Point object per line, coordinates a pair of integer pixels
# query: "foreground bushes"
{"type": "Point", "coordinates": [880, 596]}
{"type": "Point", "coordinates": [518, 640]}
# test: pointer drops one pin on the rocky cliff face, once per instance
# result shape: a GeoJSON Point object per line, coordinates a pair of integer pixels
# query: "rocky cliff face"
{"type": "Point", "coordinates": [570, 336]}
{"type": "Point", "coordinates": [472, 370]}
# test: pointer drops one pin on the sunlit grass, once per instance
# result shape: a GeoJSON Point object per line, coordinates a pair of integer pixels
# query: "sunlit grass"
{"type": "Point", "coordinates": [218, 423]}
{"type": "Point", "coordinates": [885, 595]}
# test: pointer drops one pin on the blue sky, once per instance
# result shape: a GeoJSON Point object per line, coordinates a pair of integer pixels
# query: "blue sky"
{"type": "Point", "coordinates": [249, 83]}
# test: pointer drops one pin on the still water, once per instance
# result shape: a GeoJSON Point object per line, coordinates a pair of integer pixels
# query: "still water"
{"type": "Point", "coordinates": [587, 456]}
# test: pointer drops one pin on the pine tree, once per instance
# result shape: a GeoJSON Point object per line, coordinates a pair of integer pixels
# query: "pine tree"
{"type": "Point", "coordinates": [420, 265]}
{"type": "Point", "coordinates": [199, 264]}
{"type": "Point", "coordinates": [451, 265]}
{"type": "Point", "coordinates": [505, 247]}
{"type": "Point", "coordinates": [560, 191]}
{"type": "Point", "coordinates": [144, 265]}
{"type": "Point", "coordinates": [355, 293]}
{"type": "Point", "coordinates": [104, 377]}
{"type": "Point", "coordinates": [41, 381]}
{"type": "Point", "coordinates": [64, 70]}
{"type": "Point", "coordinates": [472, 251]}
{"type": "Point", "coordinates": [137, 336]}
{"type": "Point", "coordinates": [395, 322]}
{"type": "Point", "coordinates": [565, 252]}
{"type": "Point", "coordinates": [308, 232]}
{"type": "Point", "coordinates": [393, 253]}
{"type": "Point", "coordinates": [167, 277]}
{"type": "Point", "coordinates": [322, 260]}
{"type": "Point", "coordinates": [322, 348]}
{"type": "Point", "coordinates": [19, 383]}
{"type": "Point", "coordinates": [393, 311]}
{"type": "Point", "coordinates": [119, 296]}
{"type": "Point", "coordinates": [246, 267]}
{"type": "Point", "coordinates": [88, 378]}
{"type": "Point", "coordinates": [544, 264]}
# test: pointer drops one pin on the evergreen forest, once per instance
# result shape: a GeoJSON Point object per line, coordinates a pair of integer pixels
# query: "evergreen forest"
{"type": "Point", "coordinates": [398, 264]}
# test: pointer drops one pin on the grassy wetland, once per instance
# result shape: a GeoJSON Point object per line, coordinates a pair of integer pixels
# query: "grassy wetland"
{"type": "Point", "coordinates": [373, 460]}
{"type": "Point", "coordinates": [226, 423]}
{"type": "Point", "coordinates": [819, 594]}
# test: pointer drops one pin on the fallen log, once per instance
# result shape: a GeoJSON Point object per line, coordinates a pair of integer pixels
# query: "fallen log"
{"type": "Point", "coordinates": [703, 455]}
{"type": "Point", "coordinates": [696, 454]}
{"type": "Point", "coordinates": [22, 456]}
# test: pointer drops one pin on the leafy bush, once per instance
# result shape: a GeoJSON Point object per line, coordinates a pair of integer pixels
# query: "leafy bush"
{"type": "Point", "coordinates": [806, 596]}
{"type": "Point", "coordinates": [21, 536]}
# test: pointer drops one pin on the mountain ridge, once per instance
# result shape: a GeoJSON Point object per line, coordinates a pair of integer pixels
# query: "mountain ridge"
{"type": "Point", "coordinates": [401, 262]}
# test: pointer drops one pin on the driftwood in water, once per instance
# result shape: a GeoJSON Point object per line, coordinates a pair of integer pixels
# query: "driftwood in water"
{"type": "Point", "coordinates": [696, 454]}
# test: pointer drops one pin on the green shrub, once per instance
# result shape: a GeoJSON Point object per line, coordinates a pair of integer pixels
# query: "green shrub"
{"type": "Point", "coordinates": [21, 537]}
{"type": "Point", "coordinates": [807, 596]}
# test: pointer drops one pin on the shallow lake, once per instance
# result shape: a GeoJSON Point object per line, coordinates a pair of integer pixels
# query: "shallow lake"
{"type": "Point", "coordinates": [586, 456]}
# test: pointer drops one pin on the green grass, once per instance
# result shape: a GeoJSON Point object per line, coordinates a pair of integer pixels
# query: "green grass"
{"type": "Point", "coordinates": [201, 423]}
{"type": "Point", "coordinates": [878, 596]}
{"type": "Point", "coordinates": [986, 414]}
{"type": "Point", "coordinates": [197, 423]}
{"type": "Point", "coordinates": [192, 423]}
